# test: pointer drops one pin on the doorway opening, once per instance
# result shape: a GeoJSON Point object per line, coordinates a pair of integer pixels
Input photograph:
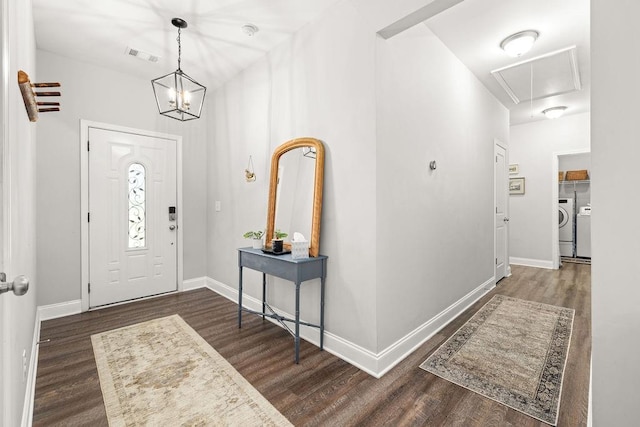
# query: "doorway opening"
{"type": "Point", "coordinates": [571, 207]}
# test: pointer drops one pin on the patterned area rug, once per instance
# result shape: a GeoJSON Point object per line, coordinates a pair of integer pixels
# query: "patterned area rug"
{"type": "Point", "coordinates": [511, 351]}
{"type": "Point", "coordinates": [162, 373]}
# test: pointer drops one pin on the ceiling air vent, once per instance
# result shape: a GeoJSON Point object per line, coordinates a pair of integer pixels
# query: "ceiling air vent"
{"type": "Point", "coordinates": [141, 55]}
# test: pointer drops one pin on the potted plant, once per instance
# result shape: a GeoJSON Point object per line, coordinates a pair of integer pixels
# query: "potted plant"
{"type": "Point", "coordinates": [277, 243]}
{"type": "Point", "coordinates": [256, 237]}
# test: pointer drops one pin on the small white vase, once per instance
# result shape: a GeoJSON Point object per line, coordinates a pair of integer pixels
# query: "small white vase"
{"type": "Point", "coordinates": [257, 243]}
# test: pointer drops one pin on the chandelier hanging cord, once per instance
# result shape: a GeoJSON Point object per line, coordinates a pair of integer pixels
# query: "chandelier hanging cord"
{"type": "Point", "coordinates": [179, 49]}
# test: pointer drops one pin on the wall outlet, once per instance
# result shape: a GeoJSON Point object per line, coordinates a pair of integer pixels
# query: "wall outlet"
{"type": "Point", "coordinates": [24, 365]}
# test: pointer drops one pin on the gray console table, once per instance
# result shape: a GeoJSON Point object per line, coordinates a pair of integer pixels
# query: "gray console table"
{"type": "Point", "coordinates": [294, 270]}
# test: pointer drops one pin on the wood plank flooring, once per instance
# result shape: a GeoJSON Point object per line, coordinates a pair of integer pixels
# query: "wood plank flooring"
{"type": "Point", "coordinates": [322, 390]}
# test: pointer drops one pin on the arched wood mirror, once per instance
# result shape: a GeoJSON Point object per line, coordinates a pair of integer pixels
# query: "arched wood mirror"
{"type": "Point", "coordinates": [295, 191]}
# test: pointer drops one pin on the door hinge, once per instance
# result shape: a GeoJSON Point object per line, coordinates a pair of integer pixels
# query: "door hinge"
{"type": "Point", "coordinates": [88, 149]}
{"type": "Point", "coordinates": [88, 216]}
{"type": "Point", "coordinates": [496, 261]}
{"type": "Point", "coordinates": [89, 287]}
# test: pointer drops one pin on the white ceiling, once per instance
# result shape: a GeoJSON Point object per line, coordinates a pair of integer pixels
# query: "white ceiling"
{"type": "Point", "coordinates": [214, 47]}
{"type": "Point", "coordinates": [473, 30]}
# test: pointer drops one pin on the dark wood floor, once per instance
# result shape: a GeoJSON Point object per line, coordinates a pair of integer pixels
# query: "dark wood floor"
{"type": "Point", "coordinates": [322, 390]}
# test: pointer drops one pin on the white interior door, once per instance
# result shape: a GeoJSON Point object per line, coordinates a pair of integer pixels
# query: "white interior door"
{"type": "Point", "coordinates": [132, 237]}
{"type": "Point", "coordinates": [501, 219]}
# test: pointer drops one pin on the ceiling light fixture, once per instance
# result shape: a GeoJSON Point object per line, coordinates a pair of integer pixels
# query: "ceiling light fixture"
{"type": "Point", "coordinates": [554, 112]}
{"type": "Point", "coordinates": [179, 96]}
{"type": "Point", "coordinates": [519, 43]}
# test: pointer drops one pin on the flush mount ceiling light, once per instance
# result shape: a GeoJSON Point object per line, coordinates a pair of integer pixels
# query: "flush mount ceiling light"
{"type": "Point", "coordinates": [519, 43]}
{"type": "Point", "coordinates": [179, 96]}
{"type": "Point", "coordinates": [554, 112]}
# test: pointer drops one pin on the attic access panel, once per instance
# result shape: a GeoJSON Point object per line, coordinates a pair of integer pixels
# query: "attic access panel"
{"type": "Point", "coordinates": [549, 75]}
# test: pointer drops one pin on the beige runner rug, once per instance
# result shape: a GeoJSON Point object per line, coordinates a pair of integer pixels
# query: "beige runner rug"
{"type": "Point", "coordinates": [162, 373]}
{"type": "Point", "coordinates": [512, 351]}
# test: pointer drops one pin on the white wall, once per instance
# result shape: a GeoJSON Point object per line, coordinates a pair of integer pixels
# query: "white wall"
{"type": "Point", "coordinates": [17, 314]}
{"type": "Point", "coordinates": [102, 95]}
{"type": "Point", "coordinates": [319, 84]}
{"type": "Point", "coordinates": [532, 146]}
{"type": "Point", "coordinates": [431, 107]}
{"type": "Point", "coordinates": [324, 84]}
{"type": "Point", "coordinates": [615, 237]}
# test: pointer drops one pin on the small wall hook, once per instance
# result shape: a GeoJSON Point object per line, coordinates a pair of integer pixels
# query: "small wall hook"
{"type": "Point", "coordinates": [432, 165]}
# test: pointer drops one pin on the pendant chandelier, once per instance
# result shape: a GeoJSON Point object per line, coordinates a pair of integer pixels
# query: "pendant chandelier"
{"type": "Point", "coordinates": [179, 96]}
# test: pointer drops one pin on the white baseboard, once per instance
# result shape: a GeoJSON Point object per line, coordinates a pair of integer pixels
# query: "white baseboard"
{"type": "Point", "coordinates": [527, 262]}
{"type": "Point", "coordinates": [196, 283]}
{"type": "Point", "coordinates": [53, 311]}
{"type": "Point", "coordinates": [30, 390]}
{"type": "Point", "coordinates": [398, 351]}
{"type": "Point", "coordinates": [374, 364]}
{"type": "Point", "coordinates": [590, 411]}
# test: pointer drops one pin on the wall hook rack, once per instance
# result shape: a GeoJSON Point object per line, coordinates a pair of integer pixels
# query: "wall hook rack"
{"type": "Point", "coordinates": [29, 96]}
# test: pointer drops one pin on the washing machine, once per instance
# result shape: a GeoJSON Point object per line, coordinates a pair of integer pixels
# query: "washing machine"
{"type": "Point", "coordinates": [566, 214]}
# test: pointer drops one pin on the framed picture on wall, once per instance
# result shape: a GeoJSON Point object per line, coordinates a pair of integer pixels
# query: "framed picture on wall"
{"type": "Point", "coordinates": [514, 169]}
{"type": "Point", "coordinates": [516, 185]}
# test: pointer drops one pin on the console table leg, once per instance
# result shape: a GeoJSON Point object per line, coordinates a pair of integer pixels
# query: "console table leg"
{"type": "Point", "coordinates": [264, 292]}
{"type": "Point", "coordinates": [322, 313]}
{"type": "Point", "coordinates": [297, 337]}
{"type": "Point", "coordinates": [240, 299]}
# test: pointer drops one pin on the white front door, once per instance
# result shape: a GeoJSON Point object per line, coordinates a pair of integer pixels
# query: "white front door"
{"type": "Point", "coordinates": [501, 220]}
{"type": "Point", "coordinates": [132, 236]}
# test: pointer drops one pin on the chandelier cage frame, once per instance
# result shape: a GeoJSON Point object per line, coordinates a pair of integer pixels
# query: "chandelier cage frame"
{"type": "Point", "coordinates": [178, 95]}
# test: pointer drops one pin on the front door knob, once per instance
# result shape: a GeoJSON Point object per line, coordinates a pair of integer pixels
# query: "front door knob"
{"type": "Point", "coordinates": [19, 286]}
{"type": "Point", "coordinates": [172, 227]}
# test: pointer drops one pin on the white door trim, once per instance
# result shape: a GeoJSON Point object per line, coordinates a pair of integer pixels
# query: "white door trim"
{"type": "Point", "coordinates": [6, 395]}
{"type": "Point", "coordinates": [84, 198]}
{"type": "Point", "coordinates": [555, 229]}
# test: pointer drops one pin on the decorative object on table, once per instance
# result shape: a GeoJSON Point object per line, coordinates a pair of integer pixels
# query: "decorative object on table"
{"type": "Point", "coordinates": [29, 96]}
{"type": "Point", "coordinates": [306, 145]}
{"type": "Point", "coordinates": [516, 185]}
{"type": "Point", "coordinates": [161, 372]}
{"type": "Point", "coordinates": [249, 174]}
{"type": "Point", "coordinates": [514, 169]}
{"type": "Point", "coordinates": [299, 246]}
{"type": "Point", "coordinates": [177, 95]}
{"type": "Point", "coordinates": [512, 351]}
{"type": "Point", "coordinates": [278, 243]}
{"type": "Point", "coordinates": [579, 175]}
{"type": "Point", "coordinates": [256, 237]}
